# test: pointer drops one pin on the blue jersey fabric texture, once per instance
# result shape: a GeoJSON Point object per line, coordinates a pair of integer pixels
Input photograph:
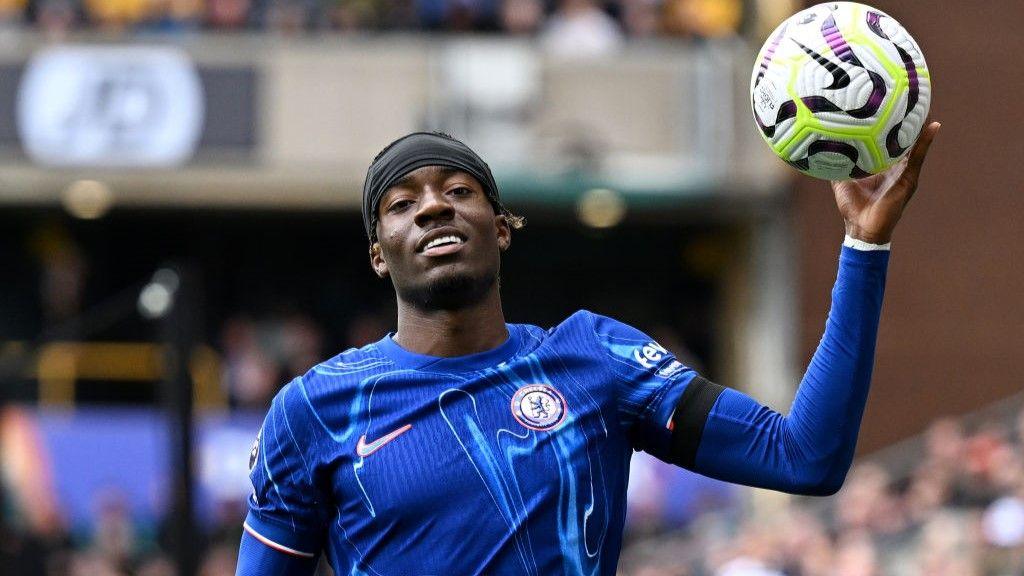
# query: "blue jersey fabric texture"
{"type": "Point", "coordinates": [515, 460]}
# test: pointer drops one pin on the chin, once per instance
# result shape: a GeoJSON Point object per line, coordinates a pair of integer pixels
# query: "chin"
{"type": "Point", "coordinates": [450, 291]}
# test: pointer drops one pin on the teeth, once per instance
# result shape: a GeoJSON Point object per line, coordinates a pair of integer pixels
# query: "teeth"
{"type": "Point", "coordinates": [443, 240]}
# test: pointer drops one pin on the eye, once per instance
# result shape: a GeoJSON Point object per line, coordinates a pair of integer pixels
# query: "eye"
{"type": "Point", "coordinates": [399, 205]}
{"type": "Point", "coordinates": [462, 191]}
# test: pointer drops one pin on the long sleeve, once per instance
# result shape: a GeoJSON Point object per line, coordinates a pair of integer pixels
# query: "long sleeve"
{"type": "Point", "coordinates": [286, 524]}
{"type": "Point", "coordinates": [810, 450]}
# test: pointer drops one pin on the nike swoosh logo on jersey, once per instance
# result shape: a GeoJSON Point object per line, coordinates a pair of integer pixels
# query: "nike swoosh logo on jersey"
{"type": "Point", "coordinates": [363, 449]}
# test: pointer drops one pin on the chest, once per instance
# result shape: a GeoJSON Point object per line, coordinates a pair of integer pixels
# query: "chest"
{"type": "Point", "coordinates": [446, 447]}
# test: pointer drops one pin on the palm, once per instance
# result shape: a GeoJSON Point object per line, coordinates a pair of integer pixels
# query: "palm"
{"type": "Point", "coordinates": [872, 206]}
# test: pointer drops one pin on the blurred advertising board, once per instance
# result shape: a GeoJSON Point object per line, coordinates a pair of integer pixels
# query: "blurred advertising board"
{"type": "Point", "coordinates": [95, 457]}
{"type": "Point", "coordinates": [123, 106]}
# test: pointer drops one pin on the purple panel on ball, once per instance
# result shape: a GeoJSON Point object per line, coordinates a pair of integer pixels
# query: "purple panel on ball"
{"type": "Point", "coordinates": [769, 54]}
{"type": "Point", "coordinates": [817, 104]}
{"type": "Point", "coordinates": [843, 148]}
{"type": "Point", "coordinates": [836, 41]}
{"type": "Point", "coordinates": [892, 144]}
{"type": "Point", "coordinates": [878, 91]}
{"type": "Point", "coordinates": [874, 20]}
{"type": "Point", "coordinates": [912, 79]}
{"type": "Point", "coordinates": [787, 110]}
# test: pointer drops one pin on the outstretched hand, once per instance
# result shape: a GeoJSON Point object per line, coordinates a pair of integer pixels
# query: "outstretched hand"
{"type": "Point", "coordinates": [872, 206]}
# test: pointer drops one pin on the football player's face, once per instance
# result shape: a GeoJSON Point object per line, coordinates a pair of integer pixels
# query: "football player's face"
{"type": "Point", "coordinates": [439, 239]}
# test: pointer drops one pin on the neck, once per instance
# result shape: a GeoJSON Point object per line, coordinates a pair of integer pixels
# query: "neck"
{"type": "Point", "coordinates": [476, 328]}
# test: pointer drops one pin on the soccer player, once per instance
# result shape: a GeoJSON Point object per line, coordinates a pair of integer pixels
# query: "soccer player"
{"type": "Point", "coordinates": [462, 444]}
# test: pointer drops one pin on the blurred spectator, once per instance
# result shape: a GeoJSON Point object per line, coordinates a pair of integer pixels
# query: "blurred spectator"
{"type": "Point", "coordinates": [868, 502]}
{"type": "Point", "coordinates": [746, 567]}
{"type": "Point", "coordinates": [116, 16]}
{"type": "Point", "coordinates": [27, 476]}
{"type": "Point", "coordinates": [581, 29]}
{"type": "Point", "coordinates": [219, 561]}
{"type": "Point", "coordinates": [856, 556]}
{"type": "Point", "coordinates": [286, 17]}
{"type": "Point", "coordinates": [250, 377]}
{"type": "Point", "coordinates": [702, 18]}
{"type": "Point", "coordinates": [63, 271]}
{"type": "Point", "coordinates": [641, 18]}
{"type": "Point", "coordinates": [12, 13]}
{"type": "Point", "coordinates": [56, 17]}
{"type": "Point", "coordinates": [228, 14]}
{"type": "Point", "coordinates": [521, 16]}
{"type": "Point", "coordinates": [114, 539]}
{"type": "Point", "coordinates": [353, 15]}
{"type": "Point", "coordinates": [173, 16]}
{"type": "Point", "coordinates": [261, 356]}
{"type": "Point", "coordinates": [157, 566]}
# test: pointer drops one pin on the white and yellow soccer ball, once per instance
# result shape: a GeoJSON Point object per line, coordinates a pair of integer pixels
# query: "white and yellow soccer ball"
{"type": "Point", "coordinates": [840, 90]}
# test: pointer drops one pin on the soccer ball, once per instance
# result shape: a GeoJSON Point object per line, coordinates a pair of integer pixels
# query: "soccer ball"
{"type": "Point", "coordinates": [840, 90]}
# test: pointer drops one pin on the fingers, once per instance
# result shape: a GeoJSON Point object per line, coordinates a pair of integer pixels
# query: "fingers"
{"type": "Point", "coordinates": [915, 160]}
{"type": "Point", "coordinates": [920, 150]}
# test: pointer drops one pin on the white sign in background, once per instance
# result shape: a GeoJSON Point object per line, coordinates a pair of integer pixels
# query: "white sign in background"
{"type": "Point", "coordinates": [123, 106]}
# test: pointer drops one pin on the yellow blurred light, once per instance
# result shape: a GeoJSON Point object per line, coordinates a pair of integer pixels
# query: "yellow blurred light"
{"type": "Point", "coordinates": [601, 208]}
{"type": "Point", "coordinates": [88, 199]}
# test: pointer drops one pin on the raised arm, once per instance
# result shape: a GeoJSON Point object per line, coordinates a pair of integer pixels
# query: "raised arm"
{"type": "Point", "coordinates": [810, 450]}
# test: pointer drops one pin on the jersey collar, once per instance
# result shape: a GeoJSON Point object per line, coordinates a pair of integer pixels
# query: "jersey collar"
{"type": "Point", "coordinates": [487, 359]}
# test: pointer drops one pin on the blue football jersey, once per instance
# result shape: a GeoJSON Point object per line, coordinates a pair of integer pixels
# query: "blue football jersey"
{"type": "Point", "coordinates": [514, 460]}
{"type": "Point", "coordinates": [510, 461]}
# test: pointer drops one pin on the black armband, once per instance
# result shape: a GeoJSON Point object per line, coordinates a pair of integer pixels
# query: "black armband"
{"type": "Point", "coordinates": [689, 418]}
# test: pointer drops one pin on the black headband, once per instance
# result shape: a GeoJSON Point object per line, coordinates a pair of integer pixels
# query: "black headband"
{"type": "Point", "coordinates": [414, 151]}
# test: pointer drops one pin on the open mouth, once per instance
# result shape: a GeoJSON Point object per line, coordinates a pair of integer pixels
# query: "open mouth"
{"type": "Point", "coordinates": [443, 242]}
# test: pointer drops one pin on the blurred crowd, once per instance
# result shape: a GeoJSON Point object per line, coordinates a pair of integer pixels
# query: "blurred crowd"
{"type": "Point", "coordinates": [958, 512]}
{"type": "Point", "coordinates": [115, 545]}
{"type": "Point", "coordinates": [586, 25]}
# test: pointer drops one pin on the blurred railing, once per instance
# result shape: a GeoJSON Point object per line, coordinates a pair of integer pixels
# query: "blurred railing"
{"type": "Point", "coordinates": [59, 367]}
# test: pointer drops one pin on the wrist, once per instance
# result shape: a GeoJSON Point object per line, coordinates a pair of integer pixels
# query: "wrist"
{"type": "Point", "coordinates": [858, 233]}
{"type": "Point", "coordinates": [863, 246]}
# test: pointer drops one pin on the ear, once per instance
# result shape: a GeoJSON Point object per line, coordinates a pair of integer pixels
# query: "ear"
{"type": "Point", "coordinates": [504, 232]}
{"type": "Point", "coordinates": [377, 260]}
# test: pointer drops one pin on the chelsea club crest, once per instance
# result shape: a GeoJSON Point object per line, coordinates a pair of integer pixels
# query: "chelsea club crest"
{"type": "Point", "coordinates": [254, 452]}
{"type": "Point", "coordinates": [538, 407]}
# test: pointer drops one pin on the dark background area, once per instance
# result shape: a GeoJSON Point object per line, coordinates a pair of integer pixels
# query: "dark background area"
{"type": "Point", "coordinates": [320, 269]}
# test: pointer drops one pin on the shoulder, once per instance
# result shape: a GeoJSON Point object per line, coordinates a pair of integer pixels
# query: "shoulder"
{"type": "Point", "coordinates": [579, 320]}
{"type": "Point", "coordinates": [350, 365]}
{"type": "Point", "coordinates": [591, 331]}
{"type": "Point", "coordinates": [616, 340]}
{"type": "Point", "coordinates": [331, 380]}
{"type": "Point", "coordinates": [594, 323]}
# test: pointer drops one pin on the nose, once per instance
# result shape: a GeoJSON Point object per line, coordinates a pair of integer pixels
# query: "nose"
{"type": "Point", "coordinates": [434, 205]}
